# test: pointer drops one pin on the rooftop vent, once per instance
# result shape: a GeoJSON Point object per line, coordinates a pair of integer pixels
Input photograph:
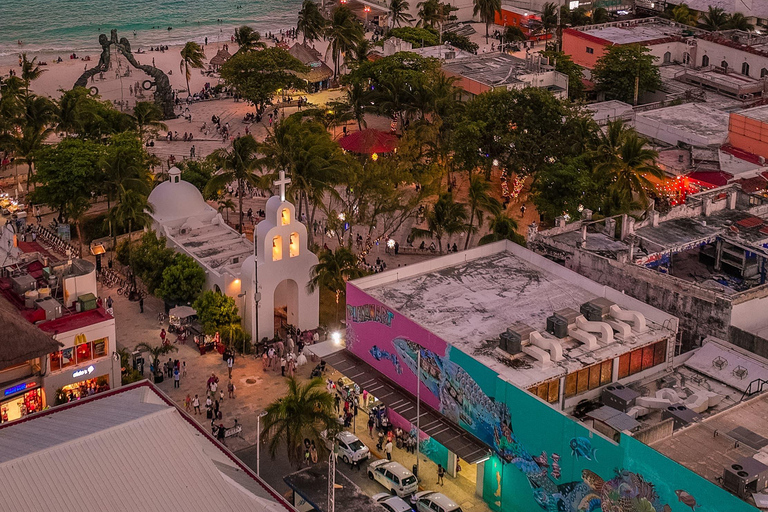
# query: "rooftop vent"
{"type": "Point", "coordinates": [681, 415]}
{"type": "Point", "coordinates": [619, 397]}
{"type": "Point", "coordinates": [511, 340]}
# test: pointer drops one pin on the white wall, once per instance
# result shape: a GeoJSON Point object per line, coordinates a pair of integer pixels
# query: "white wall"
{"type": "Point", "coordinates": [751, 315]}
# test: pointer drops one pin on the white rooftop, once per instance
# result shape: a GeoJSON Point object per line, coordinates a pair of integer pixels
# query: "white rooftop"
{"type": "Point", "coordinates": [720, 360]}
{"type": "Point", "coordinates": [173, 200]}
{"type": "Point", "coordinates": [757, 113]}
{"type": "Point", "coordinates": [469, 298]}
{"type": "Point", "coordinates": [128, 450]}
{"type": "Point", "coordinates": [640, 33]}
{"type": "Point", "coordinates": [693, 123]}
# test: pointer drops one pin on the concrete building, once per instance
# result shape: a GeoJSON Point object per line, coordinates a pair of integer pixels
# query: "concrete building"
{"type": "Point", "coordinates": [756, 11]}
{"type": "Point", "coordinates": [748, 131]}
{"type": "Point", "coordinates": [491, 71]}
{"type": "Point", "coordinates": [59, 300]}
{"type": "Point", "coordinates": [694, 124]}
{"type": "Point", "coordinates": [499, 343]}
{"type": "Point", "coordinates": [703, 261]}
{"type": "Point", "coordinates": [127, 449]}
{"type": "Point", "coordinates": [392, 45]}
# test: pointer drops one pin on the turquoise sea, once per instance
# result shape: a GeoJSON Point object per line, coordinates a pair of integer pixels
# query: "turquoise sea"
{"type": "Point", "coordinates": [67, 25]}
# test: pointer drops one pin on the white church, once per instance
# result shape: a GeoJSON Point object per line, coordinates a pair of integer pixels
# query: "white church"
{"type": "Point", "coordinates": [276, 285]}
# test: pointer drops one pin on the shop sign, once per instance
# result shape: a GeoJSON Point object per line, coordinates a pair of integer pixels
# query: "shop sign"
{"type": "Point", "coordinates": [84, 372]}
{"type": "Point", "coordinates": [18, 388]}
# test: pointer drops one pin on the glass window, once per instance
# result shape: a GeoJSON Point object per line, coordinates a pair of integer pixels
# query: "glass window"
{"type": "Point", "coordinates": [647, 357]}
{"type": "Point", "coordinates": [583, 383]}
{"type": "Point", "coordinates": [294, 245]}
{"type": "Point", "coordinates": [84, 352]}
{"type": "Point", "coordinates": [55, 361]}
{"type": "Point", "coordinates": [745, 69]}
{"type": "Point", "coordinates": [606, 372]}
{"type": "Point", "coordinates": [705, 61]}
{"type": "Point", "coordinates": [594, 376]}
{"type": "Point", "coordinates": [659, 352]}
{"type": "Point", "coordinates": [624, 366]}
{"type": "Point", "coordinates": [285, 217]}
{"type": "Point", "coordinates": [543, 391]}
{"type": "Point", "coordinates": [554, 391]}
{"type": "Point", "coordinates": [100, 347]}
{"type": "Point", "coordinates": [68, 357]}
{"type": "Point", "coordinates": [635, 361]}
{"type": "Point", "coordinates": [570, 385]}
{"type": "Point", "coordinates": [590, 50]}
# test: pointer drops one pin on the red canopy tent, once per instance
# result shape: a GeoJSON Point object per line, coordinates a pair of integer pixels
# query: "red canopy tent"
{"type": "Point", "coordinates": [369, 141]}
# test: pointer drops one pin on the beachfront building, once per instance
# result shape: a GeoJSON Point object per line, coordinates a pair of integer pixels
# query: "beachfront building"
{"type": "Point", "coordinates": [127, 449]}
{"type": "Point", "coordinates": [491, 71]}
{"type": "Point", "coordinates": [704, 261]}
{"type": "Point", "coordinates": [193, 227]}
{"type": "Point", "coordinates": [500, 343]}
{"type": "Point", "coordinates": [319, 76]}
{"type": "Point", "coordinates": [59, 300]}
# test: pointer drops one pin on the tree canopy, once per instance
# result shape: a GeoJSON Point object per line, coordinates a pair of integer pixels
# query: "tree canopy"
{"type": "Point", "coordinates": [616, 72]}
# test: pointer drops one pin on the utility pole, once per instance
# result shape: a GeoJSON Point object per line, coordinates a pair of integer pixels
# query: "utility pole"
{"type": "Point", "coordinates": [418, 408]}
{"type": "Point", "coordinates": [332, 478]}
{"type": "Point", "coordinates": [637, 88]}
{"type": "Point", "coordinates": [258, 441]}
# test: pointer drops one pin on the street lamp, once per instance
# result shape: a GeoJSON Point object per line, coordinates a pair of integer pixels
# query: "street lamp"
{"type": "Point", "coordinates": [336, 337]}
{"type": "Point", "coordinates": [366, 9]}
{"type": "Point", "coordinates": [258, 441]}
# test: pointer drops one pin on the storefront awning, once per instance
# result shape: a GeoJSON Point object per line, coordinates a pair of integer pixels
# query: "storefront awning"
{"type": "Point", "coordinates": [432, 423]}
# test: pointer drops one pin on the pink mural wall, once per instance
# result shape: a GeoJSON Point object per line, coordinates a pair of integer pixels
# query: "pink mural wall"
{"type": "Point", "coordinates": [379, 336]}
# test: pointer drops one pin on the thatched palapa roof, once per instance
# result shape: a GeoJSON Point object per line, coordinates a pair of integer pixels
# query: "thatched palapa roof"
{"type": "Point", "coordinates": [318, 70]}
{"type": "Point", "coordinates": [21, 340]}
{"type": "Point", "coordinates": [220, 58]}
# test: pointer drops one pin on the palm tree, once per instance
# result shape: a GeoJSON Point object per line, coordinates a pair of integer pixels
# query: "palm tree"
{"type": "Point", "coordinates": [487, 10]}
{"type": "Point", "coordinates": [311, 22]}
{"type": "Point", "coordinates": [30, 71]}
{"type": "Point", "coordinates": [429, 13]}
{"type": "Point", "coordinates": [683, 14]}
{"type": "Point", "coordinates": [359, 54]}
{"type": "Point", "coordinates": [237, 163]}
{"type": "Point", "coordinates": [248, 39]}
{"type": "Point", "coordinates": [131, 211]}
{"type": "Point", "coordinates": [714, 19]}
{"type": "Point", "coordinates": [192, 56]}
{"type": "Point", "coordinates": [739, 22]}
{"type": "Point", "coordinates": [344, 33]}
{"type": "Point", "coordinates": [549, 16]}
{"type": "Point", "coordinates": [357, 99]}
{"type": "Point", "coordinates": [480, 201]}
{"type": "Point", "coordinates": [444, 219]}
{"type": "Point", "coordinates": [35, 124]}
{"type": "Point", "coordinates": [122, 172]}
{"type": "Point", "coordinates": [148, 115]}
{"type": "Point", "coordinates": [398, 12]}
{"type": "Point", "coordinates": [514, 33]}
{"type": "Point", "coordinates": [75, 209]}
{"type": "Point", "coordinates": [226, 205]}
{"type": "Point", "coordinates": [502, 228]}
{"type": "Point", "coordinates": [155, 352]}
{"type": "Point", "coordinates": [629, 172]}
{"type": "Point", "coordinates": [609, 142]}
{"type": "Point", "coordinates": [303, 413]}
{"type": "Point", "coordinates": [333, 271]}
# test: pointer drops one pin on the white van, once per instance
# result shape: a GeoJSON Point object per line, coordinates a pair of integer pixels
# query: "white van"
{"type": "Point", "coordinates": [428, 501]}
{"type": "Point", "coordinates": [393, 476]}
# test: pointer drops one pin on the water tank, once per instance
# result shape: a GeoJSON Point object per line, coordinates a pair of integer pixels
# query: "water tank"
{"type": "Point", "coordinates": [30, 297]}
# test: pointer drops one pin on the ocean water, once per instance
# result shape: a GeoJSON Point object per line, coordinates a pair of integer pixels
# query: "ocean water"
{"type": "Point", "coordinates": [52, 26]}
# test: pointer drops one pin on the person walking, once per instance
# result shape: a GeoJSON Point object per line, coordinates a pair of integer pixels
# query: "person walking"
{"type": "Point", "coordinates": [183, 368]}
{"type": "Point", "coordinates": [230, 363]}
{"type": "Point", "coordinates": [440, 474]}
{"type": "Point", "coordinates": [187, 403]}
{"type": "Point", "coordinates": [176, 376]}
{"type": "Point", "coordinates": [141, 303]}
{"type": "Point", "coordinates": [109, 302]}
{"type": "Point", "coordinates": [162, 335]}
{"type": "Point", "coordinates": [283, 362]}
{"type": "Point", "coordinates": [370, 426]}
{"type": "Point", "coordinates": [388, 449]}
{"type": "Point", "coordinates": [231, 390]}
{"type": "Point", "coordinates": [196, 404]}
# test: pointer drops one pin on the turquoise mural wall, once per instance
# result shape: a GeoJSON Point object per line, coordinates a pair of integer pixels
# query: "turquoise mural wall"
{"type": "Point", "coordinates": [543, 460]}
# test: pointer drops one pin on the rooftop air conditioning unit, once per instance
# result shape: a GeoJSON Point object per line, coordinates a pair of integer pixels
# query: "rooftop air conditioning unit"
{"type": "Point", "coordinates": [511, 340]}
{"type": "Point", "coordinates": [558, 323]}
{"type": "Point", "coordinates": [619, 397]}
{"type": "Point", "coordinates": [681, 415]}
{"type": "Point", "coordinates": [745, 477]}
{"type": "Point", "coordinates": [596, 310]}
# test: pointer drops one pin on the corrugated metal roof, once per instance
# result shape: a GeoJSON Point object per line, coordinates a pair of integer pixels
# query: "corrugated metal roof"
{"type": "Point", "coordinates": [118, 453]}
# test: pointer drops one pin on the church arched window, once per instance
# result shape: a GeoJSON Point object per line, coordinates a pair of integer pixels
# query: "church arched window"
{"type": "Point", "coordinates": [285, 217]}
{"type": "Point", "coordinates": [277, 248]}
{"type": "Point", "coordinates": [294, 245]}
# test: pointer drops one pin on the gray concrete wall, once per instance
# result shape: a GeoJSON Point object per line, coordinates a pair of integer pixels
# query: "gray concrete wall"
{"type": "Point", "coordinates": [749, 341]}
{"type": "Point", "coordinates": [657, 432]}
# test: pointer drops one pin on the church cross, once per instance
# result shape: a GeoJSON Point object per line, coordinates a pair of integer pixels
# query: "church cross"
{"type": "Point", "coordinates": [282, 182]}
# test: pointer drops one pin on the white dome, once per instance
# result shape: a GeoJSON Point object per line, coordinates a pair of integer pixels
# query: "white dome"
{"type": "Point", "coordinates": [177, 199]}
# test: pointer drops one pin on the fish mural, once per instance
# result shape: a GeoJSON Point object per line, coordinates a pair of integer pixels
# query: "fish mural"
{"type": "Point", "coordinates": [581, 447]}
{"type": "Point", "coordinates": [686, 499]}
{"type": "Point", "coordinates": [463, 401]}
{"type": "Point", "coordinates": [379, 355]}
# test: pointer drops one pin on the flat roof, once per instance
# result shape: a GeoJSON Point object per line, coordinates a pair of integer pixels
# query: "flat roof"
{"type": "Point", "coordinates": [215, 246]}
{"type": "Point", "coordinates": [491, 69]}
{"type": "Point", "coordinates": [756, 113]}
{"type": "Point", "coordinates": [469, 298]}
{"type": "Point", "coordinates": [89, 438]}
{"type": "Point", "coordinates": [696, 118]}
{"type": "Point", "coordinates": [639, 33]}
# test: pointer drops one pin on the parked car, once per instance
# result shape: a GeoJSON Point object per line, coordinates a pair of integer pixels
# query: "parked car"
{"type": "Point", "coordinates": [392, 503]}
{"type": "Point", "coordinates": [393, 476]}
{"type": "Point", "coordinates": [350, 448]}
{"type": "Point", "coordinates": [429, 501]}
